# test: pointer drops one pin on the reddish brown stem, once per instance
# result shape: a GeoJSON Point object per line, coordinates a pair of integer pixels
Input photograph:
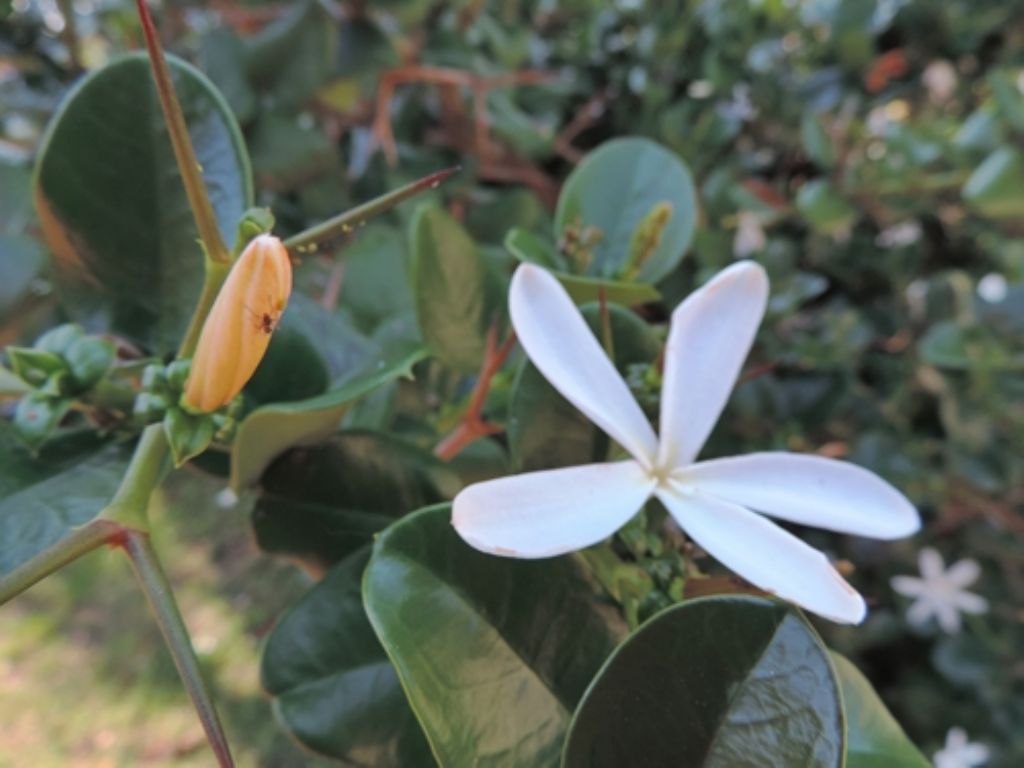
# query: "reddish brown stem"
{"type": "Point", "coordinates": [473, 426]}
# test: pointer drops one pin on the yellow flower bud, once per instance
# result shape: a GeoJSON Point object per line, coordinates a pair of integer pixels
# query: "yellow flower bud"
{"type": "Point", "coordinates": [237, 329]}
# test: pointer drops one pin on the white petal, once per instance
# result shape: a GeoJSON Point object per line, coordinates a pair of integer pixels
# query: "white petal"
{"type": "Point", "coordinates": [948, 617]}
{"type": "Point", "coordinates": [931, 563]}
{"type": "Point", "coordinates": [968, 602]}
{"type": "Point", "coordinates": [921, 612]}
{"type": "Point", "coordinates": [908, 586]}
{"type": "Point", "coordinates": [963, 573]}
{"type": "Point", "coordinates": [764, 554]}
{"type": "Point", "coordinates": [810, 490]}
{"type": "Point", "coordinates": [711, 334]}
{"type": "Point", "coordinates": [542, 514]}
{"type": "Point", "coordinates": [560, 344]}
{"type": "Point", "coordinates": [975, 754]}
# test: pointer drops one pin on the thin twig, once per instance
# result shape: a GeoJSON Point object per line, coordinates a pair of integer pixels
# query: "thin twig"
{"type": "Point", "coordinates": [473, 426]}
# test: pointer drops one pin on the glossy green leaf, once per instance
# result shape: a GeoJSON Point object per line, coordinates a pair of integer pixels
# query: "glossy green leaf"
{"type": "Point", "coordinates": [333, 686]}
{"type": "Point", "coordinates": [272, 429]}
{"type": "Point", "coordinates": [545, 430]}
{"type": "Point", "coordinates": [718, 681]}
{"type": "Point", "coordinates": [996, 188]}
{"type": "Point", "coordinates": [10, 384]}
{"type": "Point", "coordinates": [974, 347]}
{"type": "Point", "coordinates": [188, 434]}
{"type": "Point", "coordinates": [873, 737]}
{"type": "Point", "coordinates": [291, 57]}
{"type": "Point", "coordinates": [223, 59]}
{"type": "Point", "coordinates": [376, 286]}
{"type": "Point", "coordinates": [341, 348]}
{"type": "Point", "coordinates": [320, 502]}
{"type": "Point", "coordinates": [824, 209]}
{"type": "Point", "coordinates": [15, 197]}
{"type": "Point", "coordinates": [816, 141]}
{"type": "Point", "coordinates": [527, 247]}
{"type": "Point", "coordinates": [614, 189]}
{"type": "Point", "coordinates": [112, 205]}
{"type": "Point", "coordinates": [292, 369]}
{"type": "Point", "coordinates": [21, 263]}
{"type": "Point", "coordinates": [287, 151]}
{"type": "Point", "coordinates": [450, 282]}
{"type": "Point", "coordinates": [42, 498]}
{"type": "Point", "coordinates": [493, 653]}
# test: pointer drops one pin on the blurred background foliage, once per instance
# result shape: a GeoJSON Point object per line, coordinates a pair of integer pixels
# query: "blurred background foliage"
{"type": "Point", "coordinates": [869, 153]}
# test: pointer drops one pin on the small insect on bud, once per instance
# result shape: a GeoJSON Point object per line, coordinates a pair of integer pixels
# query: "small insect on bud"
{"type": "Point", "coordinates": [237, 330]}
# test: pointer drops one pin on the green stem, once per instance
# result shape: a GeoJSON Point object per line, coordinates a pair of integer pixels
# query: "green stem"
{"type": "Point", "coordinates": [158, 593]}
{"type": "Point", "coordinates": [146, 471]}
{"type": "Point", "coordinates": [344, 223]}
{"type": "Point", "coordinates": [81, 541]}
{"type": "Point", "coordinates": [216, 272]}
{"type": "Point", "coordinates": [184, 154]}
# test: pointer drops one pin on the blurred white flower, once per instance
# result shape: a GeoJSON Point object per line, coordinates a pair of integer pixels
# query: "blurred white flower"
{"type": "Point", "coordinates": [939, 79]}
{"type": "Point", "coordinates": [992, 288]}
{"type": "Point", "coordinates": [899, 235]}
{"type": "Point", "coordinates": [959, 752]}
{"type": "Point", "coordinates": [917, 297]}
{"type": "Point", "coordinates": [750, 237]}
{"type": "Point", "coordinates": [700, 89]}
{"type": "Point", "coordinates": [940, 592]}
{"type": "Point", "coordinates": [548, 513]}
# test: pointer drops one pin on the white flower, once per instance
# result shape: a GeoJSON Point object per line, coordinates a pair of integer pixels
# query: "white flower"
{"type": "Point", "coordinates": [750, 237]}
{"type": "Point", "coordinates": [992, 288]}
{"type": "Point", "coordinates": [960, 753]}
{"type": "Point", "coordinates": [899, 235]}
{"type": "Point", "coordinates": [941, 593]}
{"type": "Point", "coordinates": [547, 513]}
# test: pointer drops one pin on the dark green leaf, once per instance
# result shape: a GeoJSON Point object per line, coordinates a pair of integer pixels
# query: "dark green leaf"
{"type": "Point", "coordinates": [21, 262]}
{"type": "Point", "coordinates": [41, 499]}
{"type": "Point", "coordinates": [376, 286]}
{"type": "Point", "coordinates": [286, 152]}
{"type": "Point", "coordinates": [188, 434]}
{"type": "Point", "coordinates": [293, 56]}
{"type": "Point", "coordinates": [222, 54]}
{"type": "Point", "coordinates": [527, 247]}
{"type": "Point", "coordinates": [817, 143]}
{"type": "Point", "coordinates": [34, 366]}
{"type": "Point", "coordinates": [718, 681]}
{"type": "Point", "coordinates": [320, 502]}
{"type": "Point", "coordinates": [996, 188]}
{"type": "Point", "coordinates": [450, 282]}
{"type": "Point", "coordinates": [292, 368]}
{"type": "Point", "coordinates": [15, 198]}
{"type": "Point", "coordinates": [949, 345]}
{"type": "Point", "coordinates": [113, 208]}
{"type": "Point", "coordinates": [333, 686]}
{"type": "Point", "coordinates": [272, 429]}
{"type": "Point", "coordinates": [873, 737]}
{"type": "Point", "coordinates": [493, 653]}
{"type": "Point", "coordinates": [614, 189]}
{"type": "Point", "coordinates": [824, 209]}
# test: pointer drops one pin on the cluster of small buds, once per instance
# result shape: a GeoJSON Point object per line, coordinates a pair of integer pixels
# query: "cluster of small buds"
{"type": "Point", "coordinates": [162, 398]}
{"type": "Point", "coordinates": [62, 366]}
